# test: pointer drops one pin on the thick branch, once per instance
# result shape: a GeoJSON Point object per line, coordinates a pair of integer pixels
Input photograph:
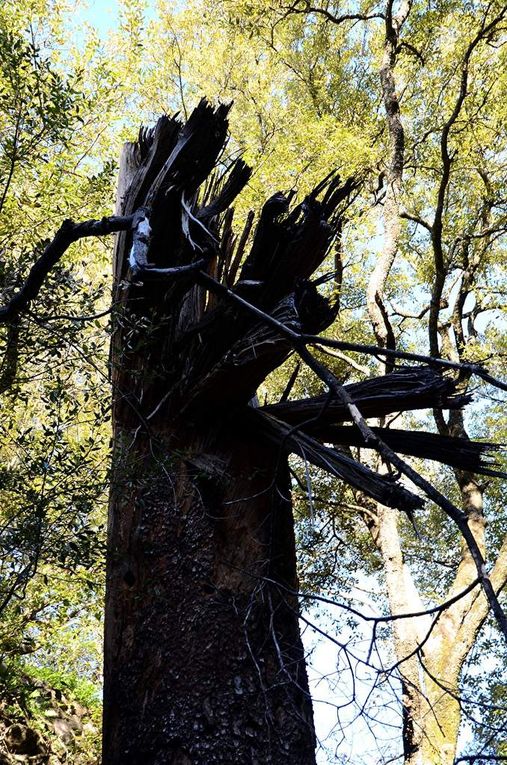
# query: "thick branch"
{"type": "Point", "coordinates": [406, 389]}
{"type": "Point", "coordinates": [68, 233]}
{"type": "Point", "coordinates": [457, 452]}
{"type": "Point", "coordinates": [416, 219]}
{"type": "Point", "coordinates": [381, 488]}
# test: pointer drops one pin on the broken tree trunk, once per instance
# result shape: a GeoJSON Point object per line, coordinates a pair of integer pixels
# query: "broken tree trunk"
{"type": "Point", "coordinates": [203, 657]}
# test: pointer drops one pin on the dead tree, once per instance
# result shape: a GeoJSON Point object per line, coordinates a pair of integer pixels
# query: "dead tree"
{"type": "Point", "coordinates": [203, 657]}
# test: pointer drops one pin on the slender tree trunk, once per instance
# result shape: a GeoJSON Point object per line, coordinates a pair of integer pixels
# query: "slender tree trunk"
{"type": "Point", "coordinates": [401, 591]}
{"type": "Point", "coordinates": [430, 667]}
{"type": "Point", "coordinates": [441, 717]}
{"type": "Point", "coordinates": [431, 716]}
{"type": "Point", "coordinates": [403, 598]}
{"type": "Point", "coordinates": [432, 660]}
{"type": "Point", "coordinates": [393, 180]}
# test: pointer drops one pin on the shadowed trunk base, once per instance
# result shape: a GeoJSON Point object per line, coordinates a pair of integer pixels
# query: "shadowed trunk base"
{"type": "Point", "coordinates": [204, 662]}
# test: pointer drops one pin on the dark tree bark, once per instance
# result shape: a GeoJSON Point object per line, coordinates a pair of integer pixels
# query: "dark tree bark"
{"type": "Point", "coordinates": [203, 657]}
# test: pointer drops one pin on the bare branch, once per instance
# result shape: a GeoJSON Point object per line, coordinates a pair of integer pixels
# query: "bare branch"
{"type": "Point", "coordinates": [446, 160]}
{"type": "Point", "coordinates": [381, 488]}
{"type": "Point", "coordinates": [416, 219]}
{"type": "Point", "coordinates": [310, 9]}
{"type": "Point", "coordinates": [412, 49]}
{"type": "Point", "coordinates": [457, 516]}
{"type": "Point", "coordinates": [68, 233]}
{"type": "Point", "coordinates": [410, 315]}
{"type": "Point", "coordinates": [374, 350]}
{"type": "Point", "coordinates": [343, 357]}
{"type": "Point", "coordinates": [377, 619]}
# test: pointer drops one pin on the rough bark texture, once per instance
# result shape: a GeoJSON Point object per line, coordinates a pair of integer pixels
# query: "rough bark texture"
{"type": "Point", "coordinates": [204, 662]}
{"type": "Point", "coordinates": [203, 659]}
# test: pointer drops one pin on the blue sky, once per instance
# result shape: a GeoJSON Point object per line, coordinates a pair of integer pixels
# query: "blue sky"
{"type": "Point", "coordinates": [103, 14]}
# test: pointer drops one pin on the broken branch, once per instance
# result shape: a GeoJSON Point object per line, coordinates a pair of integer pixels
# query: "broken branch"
{"type": "Point", "coordinates": [68, 233]}
{"type": "Point", "coordinates": [457, 516]}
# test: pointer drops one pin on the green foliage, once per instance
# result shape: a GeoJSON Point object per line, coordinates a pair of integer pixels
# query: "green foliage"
{"type": "Point", "coordinates": [72, 685]}
{"type": "Point", "coordinates": [50, 702]}
{"type": "Point", "coordinates": [54, 431]}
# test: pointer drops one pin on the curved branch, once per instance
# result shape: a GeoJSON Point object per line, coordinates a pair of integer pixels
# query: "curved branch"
{"type": "Point", "coordinates": [68, 233]}
{"type": "Point", "coordinates": [446, 160]}
{"type": "Point", "coordinates": [310, 9]}
{"type": "Point", "coordinates": [416, 219]}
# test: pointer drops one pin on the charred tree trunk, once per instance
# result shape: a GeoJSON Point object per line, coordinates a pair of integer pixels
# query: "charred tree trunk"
{"type": "Point", "coordinates": [203, 657]}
